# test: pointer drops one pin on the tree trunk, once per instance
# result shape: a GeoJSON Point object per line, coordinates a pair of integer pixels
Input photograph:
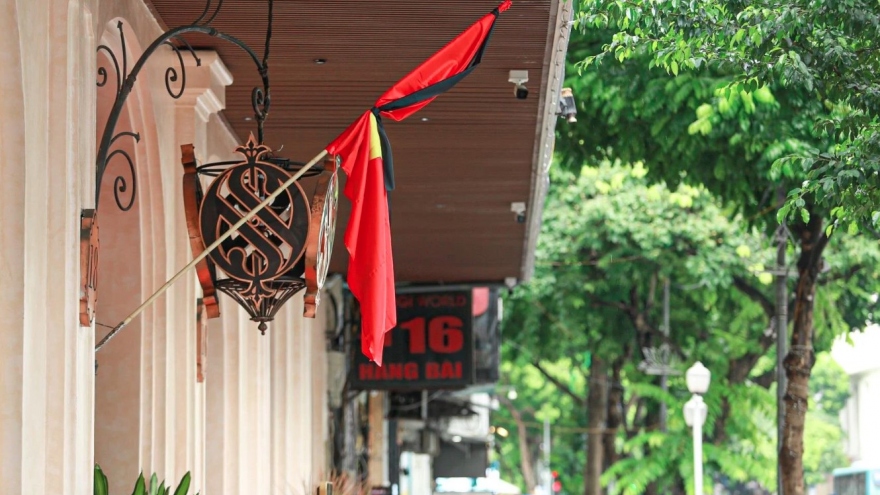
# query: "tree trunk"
{"type": "Point", "coordinates": [652, 423]}
{"type": "Point", "coordinates": [615, 415]}
{"type": "Point", "coordinates": [596, 408]}
{"type": "Point", "coordinates": [525, 453]}
{"type": "Point", "coordinates": [800, 358]}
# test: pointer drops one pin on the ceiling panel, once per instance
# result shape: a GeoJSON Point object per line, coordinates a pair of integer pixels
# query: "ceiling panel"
{"type": "Point", "coordinates": [459, 162]}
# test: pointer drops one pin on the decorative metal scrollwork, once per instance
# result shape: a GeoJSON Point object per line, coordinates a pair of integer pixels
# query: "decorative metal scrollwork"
{"type": "Point", "coordinates": [171, 74]}
{"type": "Point", "coordinates": [125, 80]}
{"type": "Point", "coordinates": [125, 185]}
{"type": "Point", "coordinates": [260, 259]}
{"type": "Point", "coordinates": [120, 184]}
{"type": "Point", "coordinates": [282, 250]}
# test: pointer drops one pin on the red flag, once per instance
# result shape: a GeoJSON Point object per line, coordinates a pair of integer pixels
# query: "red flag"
{"type": "Point", "coordinates": [367, 161]}
{"type": "Point", "coordinates": [368, 235]}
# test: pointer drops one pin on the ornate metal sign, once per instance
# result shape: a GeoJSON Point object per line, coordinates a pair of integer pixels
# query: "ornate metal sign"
{"type": "Point", "coordinates": [261, 258]}
{"type": "Point", "coordinates": [319, 246]}
{"type": "Point", "coordinates": [88, 266]}
{"type": "Point", "coordinates": [286, 247]}
{"type": "Point", "coordinates": [125, 186]}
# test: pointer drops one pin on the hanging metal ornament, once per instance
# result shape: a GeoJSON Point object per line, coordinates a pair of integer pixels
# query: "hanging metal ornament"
{"type": "Point", "coordinates": [286, 247]}
{"type": "Point", "coordinates": [115, 67]}
{"type": "Point", "coordinates": [320, 243]}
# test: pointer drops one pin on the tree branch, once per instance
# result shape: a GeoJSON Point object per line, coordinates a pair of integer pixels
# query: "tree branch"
{"type": "Point", "coordinates": [523, 437]}
{"type": "Point", "coordinates": [599, 303]}
{"type": "Point", "coordinates": [755, 295]}
{"type": "Point", "coordinates": [652, 291]}
{"type": "Point", "coordinates": [561, 386]}
{"type": "Point", "coordinates": [766, 379]}
{"type": "Point", "coordinates": [846, 276]}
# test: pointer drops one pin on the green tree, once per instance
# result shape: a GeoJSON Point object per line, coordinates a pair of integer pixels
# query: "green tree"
{"type": "Point", "coordinates": [574, 336]}
{"type": "Point", "coordinates": [824, 452]}
{"type": "Point", "coordinates": [521, 417]}
{"type": "Point", "coordinates": [824, 52]}
{"type": "Point", "coordinates": [610, 238]}
{"type": "Point", "coordinates": [829, 386]}
{"type": "Point", "coordinates": [675, 100]}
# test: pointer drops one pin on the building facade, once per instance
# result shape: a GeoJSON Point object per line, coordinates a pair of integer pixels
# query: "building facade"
{"type": "Point", "coordinates": [170, 393]}
{"type": "Point", "coordinates": [176, 391]}
{"type": "Point", "coordinates": [858, 418]}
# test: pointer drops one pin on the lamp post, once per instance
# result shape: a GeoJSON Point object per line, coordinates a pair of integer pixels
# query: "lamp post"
{"type": "Point", "coordinates": [697, 377]}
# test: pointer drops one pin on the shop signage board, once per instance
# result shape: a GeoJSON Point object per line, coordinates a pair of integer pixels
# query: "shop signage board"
{"type": "Point", "coordinates": [432, 346]}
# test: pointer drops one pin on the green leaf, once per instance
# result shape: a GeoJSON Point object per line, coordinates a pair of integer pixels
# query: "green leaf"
{"type": "Point", "coordinates": [154, 484]}
{"type": "Point", "coordinates": [805, 215]}
{"type": "Point", "coordinates": [783, 213]}
{"type": "Point", "coordinates": [101, 484]}
{"type": "Point", "coordinates": [140, 487]}
{"type": "Point", "coordinates": [674, 67]}
{"type": "Point", "coordinates": [183, 486]}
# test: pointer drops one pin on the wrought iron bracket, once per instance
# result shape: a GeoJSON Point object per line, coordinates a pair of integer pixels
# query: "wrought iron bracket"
{"type": "Point", "coordinates": [125, 184]}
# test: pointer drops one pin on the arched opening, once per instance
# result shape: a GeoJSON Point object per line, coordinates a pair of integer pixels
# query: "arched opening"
{"type": "Point", "coordinates": [128, 211]}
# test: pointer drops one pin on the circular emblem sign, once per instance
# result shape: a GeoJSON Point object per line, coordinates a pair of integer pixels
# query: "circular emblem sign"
{"type": "Point", "coordinates": [271, 243]}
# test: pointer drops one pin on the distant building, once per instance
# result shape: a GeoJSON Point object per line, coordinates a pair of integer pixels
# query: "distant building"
{"type": "Point", "coordinates": [859, 417]}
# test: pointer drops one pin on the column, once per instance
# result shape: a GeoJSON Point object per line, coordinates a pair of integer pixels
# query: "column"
{"type": "Point", "coordinates": [291, 402]}
{"type": "Point", "coordinates": [237, 405]}
{"type": "Point", "coordinates": [203, 98]}
{"type": "Point", "coordinates": [46, 366]}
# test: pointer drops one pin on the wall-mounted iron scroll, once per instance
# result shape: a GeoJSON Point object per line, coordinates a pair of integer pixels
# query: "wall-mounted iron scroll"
{"type": "Point", "coordinates": [285, 248]}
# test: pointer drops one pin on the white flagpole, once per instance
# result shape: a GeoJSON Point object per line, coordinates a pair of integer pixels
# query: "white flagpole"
{"type": "Point", "coordinates": [210, 248]}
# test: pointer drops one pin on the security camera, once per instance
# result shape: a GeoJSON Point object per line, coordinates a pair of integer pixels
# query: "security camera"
{"type": "Point", "coordinates": [519, 78]}
{"type": "Point", "coordinates": [567, 107]}
{"type": "Point", "coordinates": [519, 209]}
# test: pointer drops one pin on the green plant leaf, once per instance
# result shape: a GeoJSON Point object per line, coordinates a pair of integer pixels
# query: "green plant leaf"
{"type": "Point", "coordinates": [154, 484]}
{"type": "Point", "coordinates": [183, 487]}
{"type": "Point", "coordinates": [140, 487]}
{"type": "Point", "coordinates": [101, 484]}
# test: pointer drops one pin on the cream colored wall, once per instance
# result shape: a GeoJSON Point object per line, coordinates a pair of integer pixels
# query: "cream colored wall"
{"type": "Point", "coordinates": [258, 422]}
{"type": "Point", "coordinates": [46, 361]}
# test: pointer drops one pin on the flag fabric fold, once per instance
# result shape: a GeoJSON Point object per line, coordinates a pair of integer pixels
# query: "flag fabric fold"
{"type": "Point", "coordinates": [368, 164]}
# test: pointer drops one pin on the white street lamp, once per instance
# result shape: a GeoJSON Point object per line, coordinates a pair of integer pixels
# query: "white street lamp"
{"type": "Point", "coordinates": [697, 378]}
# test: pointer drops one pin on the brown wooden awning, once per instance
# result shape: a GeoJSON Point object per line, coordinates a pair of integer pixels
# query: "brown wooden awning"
{"type": "Point", "coordinates": [459, 163]}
